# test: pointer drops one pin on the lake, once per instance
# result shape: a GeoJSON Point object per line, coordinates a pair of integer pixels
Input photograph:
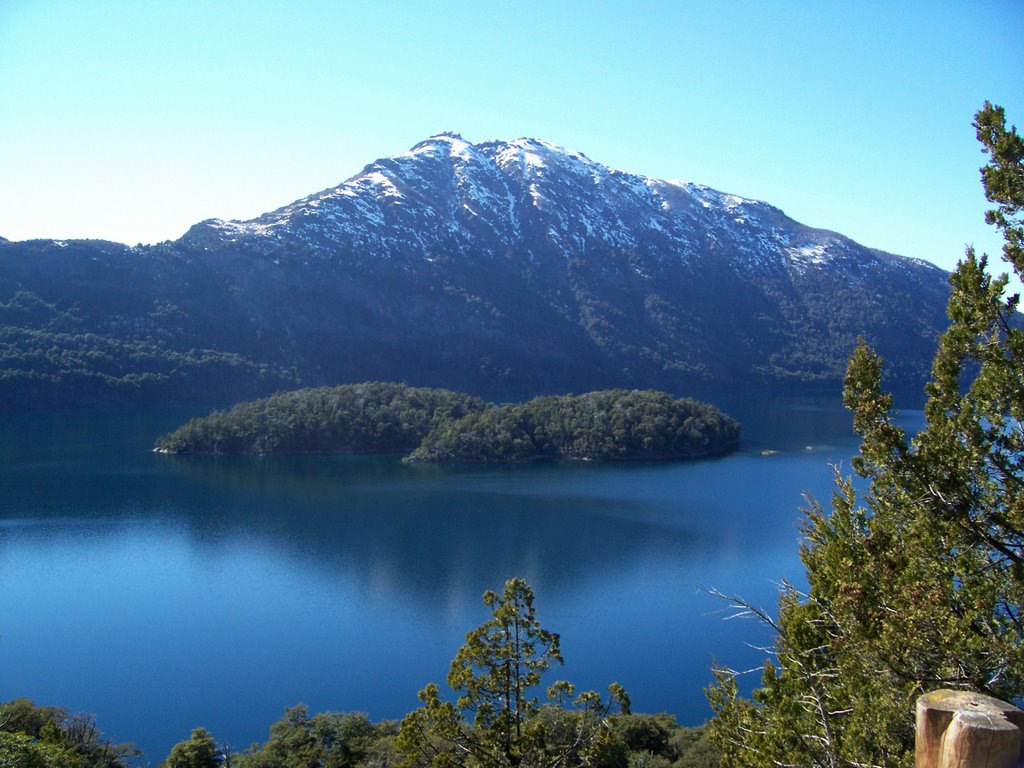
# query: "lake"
{"type": "Point", "coordinates": [164, 593]}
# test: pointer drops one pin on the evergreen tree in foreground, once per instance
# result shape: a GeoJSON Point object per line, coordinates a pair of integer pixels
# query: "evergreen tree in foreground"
{"type": "Point", "coordinates": [920, 585]}
{"type": "Point", "coordinates": [495, 673]}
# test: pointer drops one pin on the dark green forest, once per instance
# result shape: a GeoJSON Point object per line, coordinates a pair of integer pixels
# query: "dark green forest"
{"type": "Point", "coordinates": [440, 425]}
{"type": "Point", "coordinates": [598, 426]}
{"type": "Point", "coordinates": [374, 417]}
{"type": "Point", "coordinates": [48, 359]}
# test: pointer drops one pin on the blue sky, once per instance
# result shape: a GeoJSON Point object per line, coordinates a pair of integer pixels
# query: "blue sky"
{"type": "Point", "coordinates": [131, 120]}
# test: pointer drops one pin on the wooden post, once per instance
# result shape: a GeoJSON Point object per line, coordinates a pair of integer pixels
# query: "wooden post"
{"type": "Point", "coordinates": [960, 729]}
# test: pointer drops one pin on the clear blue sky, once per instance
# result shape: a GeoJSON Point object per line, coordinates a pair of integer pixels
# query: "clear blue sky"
{"type": "Point", "coordinates": [131, 120]}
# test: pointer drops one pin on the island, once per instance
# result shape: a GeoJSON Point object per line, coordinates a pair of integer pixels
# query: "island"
{"type": "Point", "coordinates": [373, 417]}
{"type": "Point", "coordinates": [439, 425]}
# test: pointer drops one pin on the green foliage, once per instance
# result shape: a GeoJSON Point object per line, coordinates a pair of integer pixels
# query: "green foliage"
{"type": "Point", "coordinates": [22, 715]}
{"type": "Point", "coordinates": [354, 418]}
{"type": "Point", "coordinates": [603, 740]}
{"type": "Point", "coordinates": [19, 750]}
{"type": "Point", "coordinates": [200, 751]}
{"type": "Point", "coordinates": [502, 660]}
{"type": "Point", "coordinates": [497, 721]}
{"type": "Point", "coordinates": [326, 740]}
{"type": "Point", "coordinates": [48, 357]}
{"type": "Point", "coordinates": [1003, 179]}
{"type": "Point", "coordinates": [693, 748]}
{"type": "Point", "coordinates": [601, 426]}
{"type": "Point", "coordinates": [448, 426]}
{"type": "Point", "coordinates": [48, 737]}
{"type": "Point", "coordinates": [922, 586]}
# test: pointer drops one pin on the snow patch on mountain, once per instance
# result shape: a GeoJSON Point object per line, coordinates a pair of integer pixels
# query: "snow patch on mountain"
{"type": "Point", "coordinates": [813, 254]}
{"type": "Point", "coordinates": [532, 197]}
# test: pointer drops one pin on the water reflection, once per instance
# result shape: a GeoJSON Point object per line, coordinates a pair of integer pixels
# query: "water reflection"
{"type": "Point", "coordinates": [418, 528]}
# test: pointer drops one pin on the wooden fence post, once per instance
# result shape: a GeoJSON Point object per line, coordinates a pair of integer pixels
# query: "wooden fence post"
{"type": "Point", "coordinates": [960, 729]}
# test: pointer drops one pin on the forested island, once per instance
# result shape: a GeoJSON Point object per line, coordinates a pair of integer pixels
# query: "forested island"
{"type": "Point", "coordinates": [609, 425]}
{"type": "Point", "coordinates": [434, 425]}
{"type": "Point", "coordinates": [374, 417]}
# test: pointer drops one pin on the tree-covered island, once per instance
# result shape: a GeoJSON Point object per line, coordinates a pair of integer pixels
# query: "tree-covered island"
{"type": "Point", "coordinates": [608, 425]}
{"type": "Point", "coordinates": [374, 417]}
{"type": "Point", "coordinates": [433, 425]}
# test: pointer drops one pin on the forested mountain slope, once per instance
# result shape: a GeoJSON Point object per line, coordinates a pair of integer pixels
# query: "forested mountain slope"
{"type": "Point", "coordinates": [505, 269]}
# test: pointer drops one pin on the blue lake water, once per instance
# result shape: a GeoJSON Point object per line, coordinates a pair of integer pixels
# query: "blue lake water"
{"type": "Point", "coordinates": [165, 593]}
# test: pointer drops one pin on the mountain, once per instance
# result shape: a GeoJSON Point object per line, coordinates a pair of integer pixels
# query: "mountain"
{"type": "Point", "coordinates": [506, 269]}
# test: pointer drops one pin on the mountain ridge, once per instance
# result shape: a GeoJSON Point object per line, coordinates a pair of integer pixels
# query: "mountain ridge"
{"type": "Point", "coordinates": [507, 269]}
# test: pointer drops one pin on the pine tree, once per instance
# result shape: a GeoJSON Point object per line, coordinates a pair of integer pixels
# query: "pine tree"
{"type": "Point", "coordinates": [495, 673]}
{"type": "Point", "coordinates": [921, 584]}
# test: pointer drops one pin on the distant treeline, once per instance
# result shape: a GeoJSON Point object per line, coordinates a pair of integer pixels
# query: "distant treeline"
{"type": "Point", "coordinates": [441, 425]}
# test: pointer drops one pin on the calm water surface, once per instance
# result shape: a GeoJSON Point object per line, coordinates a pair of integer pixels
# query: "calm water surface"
{"type": "Point", "coordinates": [164, 593]}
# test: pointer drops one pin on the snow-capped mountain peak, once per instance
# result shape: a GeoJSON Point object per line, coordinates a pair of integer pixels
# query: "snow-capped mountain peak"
{"type": "Point", "coordinates": [502, 267]}
{"type": "Point", "coordinates": [549, 202]}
